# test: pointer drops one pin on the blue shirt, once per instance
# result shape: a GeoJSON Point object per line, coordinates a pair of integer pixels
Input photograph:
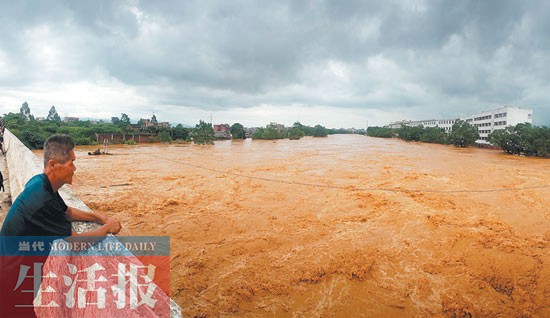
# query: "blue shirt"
{"type": "Point", "coordinates": [37, 211]}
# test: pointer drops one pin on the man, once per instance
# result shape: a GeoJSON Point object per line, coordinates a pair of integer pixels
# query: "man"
{"type": "Point", "coordinates": [2, 140]}
{"type": "Point", "coordinates": [39, 211]}
{"type": "Point", "coordinates": [2, 181]}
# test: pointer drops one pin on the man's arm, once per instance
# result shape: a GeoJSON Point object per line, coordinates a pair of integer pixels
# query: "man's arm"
{"type": "Point", "coordinates": [75, 214]}
{"type": "Point", "coordinates": [110, 225]}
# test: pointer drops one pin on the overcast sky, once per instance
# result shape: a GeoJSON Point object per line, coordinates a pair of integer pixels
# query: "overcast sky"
{"type": "Point", "coordinates": [337, 63]}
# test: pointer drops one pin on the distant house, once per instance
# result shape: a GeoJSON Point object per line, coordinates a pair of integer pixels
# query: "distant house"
{"type": "Point", "coordinates": [276, 126]}
{"type": "Point", "coordinates": [222, 131]}
{"type": "Point", "coordinates": [164, 124]}
{"type": "Point", "coordinates": [121, 138]}
{"type": "Point", "coordinates": [145, 123]}
{"type": "Point", "coordinates": [70, 119]}
{"type": "Point", "coordinates": [221, 128]}
{"type": "Point", "coordinates": [249, 131]}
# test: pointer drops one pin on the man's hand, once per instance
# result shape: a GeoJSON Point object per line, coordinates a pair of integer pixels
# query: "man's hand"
{"type": "Point", "coordinates": [113, 225]}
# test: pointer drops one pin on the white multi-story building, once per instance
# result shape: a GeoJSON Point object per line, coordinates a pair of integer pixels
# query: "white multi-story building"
{"type": "Point", "coordinates": [486, 121]}
{"type": "Point", "coordinates": [446, 124]}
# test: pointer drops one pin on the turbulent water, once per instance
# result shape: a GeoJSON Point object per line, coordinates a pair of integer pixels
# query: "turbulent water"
{"type": "Point", "coordinates": [340, 226]}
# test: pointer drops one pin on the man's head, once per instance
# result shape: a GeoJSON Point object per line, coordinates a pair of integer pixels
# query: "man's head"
{"type": "Point", "coordinates": [59, 159]}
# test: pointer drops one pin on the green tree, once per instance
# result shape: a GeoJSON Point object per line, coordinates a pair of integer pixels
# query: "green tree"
{"type": "Point", "coordinates": [203, 134]}
{"type": "Point", "coordinates": [320, 131]}
{"type": "Point", "coordinates": [295, 133]}
{"type": "Point", "coordinates": [14, 120]}
{"type": "Point", "coordinates": [124, 119]}
{"type": "Point", "coordinates": [124, 122]}
{"type": "Point", "coordinates": [53, 115]}
{"type": "Point", "coordinates": [237, 131]}
{"type": "Point", "coordinates": [258, 134]}
{"type": "Point", "coordinates": [25, 110]}
{"type": "Point", "coordinates": [463, 134]}
{"type": "Point", "coordinates": [434, 135]}
{"type": "Point", "coordinates": [542, 141]}
{"type": "Point", "coordinates": [382, 132]}
{"type": "Point", "coordinates": [506, 140]}
{"type": "Point", "coordinates": [154, 120]}
{"type": "Point", "coordinates": [180, 132]}
{"type": "Point", "coordinates": [410, 133]}
{"type": "Point", "coordinates": [32, 138]}
{"type": "Point", "coordinates": [523, 139]}
{"type": "Point", "coordinates": [270, 132]}
{"type": "Point", "coordinates": [165, 136]}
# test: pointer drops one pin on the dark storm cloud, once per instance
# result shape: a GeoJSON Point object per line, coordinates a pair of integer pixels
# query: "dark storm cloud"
{"type": "Point", "coordinates": [437, 55]}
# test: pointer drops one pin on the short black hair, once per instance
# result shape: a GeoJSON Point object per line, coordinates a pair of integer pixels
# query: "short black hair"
{"type": "Point", "coordinates": [58, 147]}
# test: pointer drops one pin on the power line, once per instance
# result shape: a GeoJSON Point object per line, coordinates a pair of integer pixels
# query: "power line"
{"type": "Point", "coordinates": [352, 188]}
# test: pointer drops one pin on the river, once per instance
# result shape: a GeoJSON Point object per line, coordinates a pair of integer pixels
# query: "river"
{"type": "Point", "coordinates": [344, 226]}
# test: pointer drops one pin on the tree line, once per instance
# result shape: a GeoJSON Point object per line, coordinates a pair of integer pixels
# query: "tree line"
{"type": "Point", "coordinates": [33, 132]}
{"type": "Point", "coordinates": [522, 139]}
{"type": "Point", "coordinates": [297, 131]}
{"type": "Point", "coordinates": [462, 135]}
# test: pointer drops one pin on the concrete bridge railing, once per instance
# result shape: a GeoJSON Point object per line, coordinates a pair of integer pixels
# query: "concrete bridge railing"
{"type": "Point", "coordinates": [23, 164]}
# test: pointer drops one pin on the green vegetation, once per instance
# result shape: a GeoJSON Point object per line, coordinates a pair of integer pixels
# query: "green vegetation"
{"type": "Point", "coordinates": [237, 131]}
{"type": "Point", "coordinates": [53, 115]}
{"type": "Point", "coordinates": [463, 134]}
{"type": "Point", "coordinates": [270, 132]}
{"type": "Point", "coordinates": [381, 132]}
{"type": "Point", "coordinates": [203, 134]}
{"type": "Point", "coordinates": [320, 131]}
{"type": "Point", "coordinates": [165, 136]}
{"type": "Point", "coordinates": [34, 132]}
{"type": "Point", "coordinates": [25, 110]}
{"type": "Point", "coordinates": [295, 133]}
{"type": "Point", "coordinates": [434, 135]}
{"type": "Point", "coordinates": [523, 139]}
{"type": "Point", "coordinates": [409, 133]}
{"type": "Point", "coordinates": [180, 133]}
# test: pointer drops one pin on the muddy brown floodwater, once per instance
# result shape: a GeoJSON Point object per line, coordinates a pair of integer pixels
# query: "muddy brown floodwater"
{"type": "Point", "coordinates": [328, 227]}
